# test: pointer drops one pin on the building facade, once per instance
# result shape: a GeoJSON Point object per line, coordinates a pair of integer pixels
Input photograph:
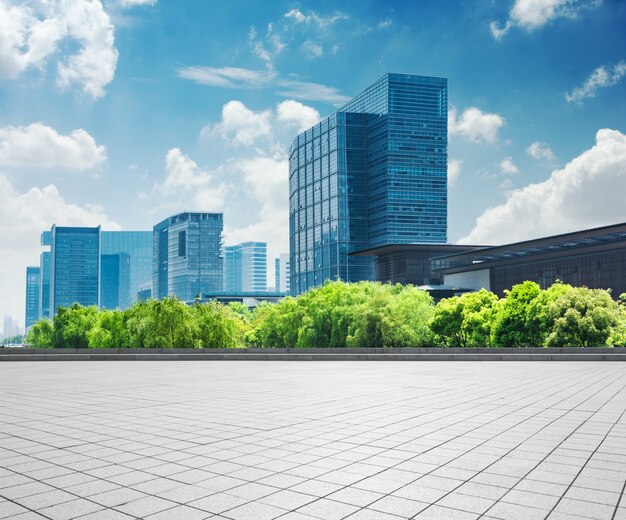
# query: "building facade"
{"type": "Point", "coordinates": [74, 267]}
{"type": "Point", "coordinates": [594, 258]}
{"type": "Point", "coordinates": [281, 273]}
{"type": "Point", "coordinates": [372, 174]}
{"type": "Point", "coordinates": [32, 296]}
{"type": "Point", "coordinates": [135, 248]}
{"type": "Point", "coordinates": [44, 285]}
{"type": "Point", "coordinates": [245, 267]}
{"type": "Point", "coordinates": [115, 290]}
{"type": "Point", "coordinates": [187, 255]}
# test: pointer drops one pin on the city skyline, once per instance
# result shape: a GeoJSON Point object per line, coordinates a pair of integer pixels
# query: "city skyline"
{"type": "Point", "coordinates": [202, 116]}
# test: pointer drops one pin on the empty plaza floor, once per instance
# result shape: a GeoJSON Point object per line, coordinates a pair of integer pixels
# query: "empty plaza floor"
{"type": "Point", "coordinates": [247, 440]}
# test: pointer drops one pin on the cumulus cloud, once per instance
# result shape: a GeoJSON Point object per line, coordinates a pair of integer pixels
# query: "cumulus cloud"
{"type": "Point", "coordinates": [601, 77]}
{"type": "Point", "coordinates": [507, 166]}
{"type": "Point", "coordinates": [134, 3]}
{"type": "Point", "coordinates": [40, 146]}
{"type": "Point", "coordinates": [312, 50]}
{"type": "Point", "coordinates": [539, 150]}
{"type": "Point", "coordinates": [23, 216]}
{"type": "Point", "coordinates": [475, 125]}
{"type": "Point", "coordinates": [31, 33]}
{"type": "Point", "coordinates": [240, 125]}
{"type": "Point", "coordinates": [187, 185]}
{"type": "Point", "coordinates": [586, 192]}
{"type": "Point", "coordinates": [237, 77]}
{"type": "Point", "coordinates": [294, 112]}
{"type": "Point", "coordinates": [454, 171]}
{"type": "Point", "coordinates": [533, 14]}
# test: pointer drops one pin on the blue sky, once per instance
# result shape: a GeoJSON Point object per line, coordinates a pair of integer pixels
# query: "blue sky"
{"type": "Point", "coordinates": [122, 112]}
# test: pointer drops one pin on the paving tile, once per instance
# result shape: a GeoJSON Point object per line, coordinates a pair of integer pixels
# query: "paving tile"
{"type": "Point", "coordinates": [180, 513]}
{"type": "Point", "coordinates": [218, 503]}
{"type": "Point", "coordinates": [256, 510]}
{"type": "Point", "coordinates": [325, 509]}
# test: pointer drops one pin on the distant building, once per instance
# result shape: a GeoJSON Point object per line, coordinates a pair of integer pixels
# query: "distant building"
{"type": "Point", "coordinates": [44, 285]}
{"type": "Point", "coordinates": [245, 267]}
{"type": "Point", "coordinates": [32, 296]}
{"type": "Point", "coordinates": [594, 258]}
{"type": "Point", "coordinates": [11, 327]}
{"type": "Point", "coordinates": [143, 295]}
{"type": "Point", "coordinates": [281, 274]}
{"type": "Point", "coordinates": [137, 246]}
{"type": "Point", "coordinates": [372, 174]}
{"type": "Point", "coordinates": [187, 257]}
{"type": "Point", "coordinates": [115, 290]}
{"type": "Point", "coordinates": [74, 267]}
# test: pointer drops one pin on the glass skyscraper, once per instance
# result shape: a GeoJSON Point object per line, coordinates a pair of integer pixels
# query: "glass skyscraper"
{"type": "Point", "coordinates": [372, 174]}
{"type": "Point", "coordinates": [186, 258]}
{"type": "Point", "coordinates": [32, 296]}
{"type": "Point", "coordinates": [74, 267]}
{"type": "Point", "coordinates": [281, 273]}
{"type": "Point", "coordinates": [115, 281]}
{"type": "Point", "coordinates": [44, 285]}
{"type": "Point", "coordinates": [137, 246]}
{"type": "Point", "coordinates": [245, 267]}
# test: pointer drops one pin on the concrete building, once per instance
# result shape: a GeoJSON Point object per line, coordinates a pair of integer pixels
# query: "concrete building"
{"type": "Point", "coordinates": [594, 258]}
{"type": "Point", "coordinates": [281, 273]}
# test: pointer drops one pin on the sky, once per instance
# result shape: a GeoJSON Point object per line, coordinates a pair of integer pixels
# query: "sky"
{"type": "Point", "coordinates": [122, 112]}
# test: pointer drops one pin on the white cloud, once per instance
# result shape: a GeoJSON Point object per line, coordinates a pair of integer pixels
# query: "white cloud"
{"type": "Point", "coordinates": [599, 78]}
{"type": "Point", "coordinates": [23, 216]}
{"type": "Point", "coordinates": [454, 171]}
{"type": "Point", "coordinates": [586, 192]}
{"type": "Point", "coordinates": [126, 4]}
{"type": "Point", "coordinates": [507, 166]}
{"type": "Point", "coordinates": [539, 150]}
{"type": "Point", "coordinates": [384, 24]}
{"type": "Point", "coordinates": [311, 17]}
{"type": "Point", "coordinates": [40, 146]}
{"type": "Point", "coordinates": [294, 112]}
{"type": "Point", "coordinates": [188, 186]}
{"type": "Point", "coordinates": [533, 14]}
{"type": "Point", "coordinates": [312, 50]}
{"type": "Point", "coordinates": [240, 125]}
{"type": "Point", "coordinates": [31, 34]}
{"type": "Point", "coordinates": [236, 77]}
{"type": "Point", "coordinates": [476, 125]}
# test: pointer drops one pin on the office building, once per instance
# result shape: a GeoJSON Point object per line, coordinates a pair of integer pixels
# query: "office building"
{"type": "Point", "coordinates": [11, 327]}
{"type": "Point", "coordinates": [372, 174]}
{"type": "Point", "coordinates": [115, 290]}
{"type": "Point", "coordinates": [281, 273]}
{"type": "Point", "coordinates": [44, 285]}
{"type": "Point", "coordinates": [187, 258]}
{"type": "Point", "coordinates": [135, 249]}
{"type": "Point", "coordinates": [594, 258]}
{"type": "Point", "coordinates": [74, 266]}
{"type": "Point", "coordinates": [32, 296]}
{"type": "Point", "coordinates": [245, 267]}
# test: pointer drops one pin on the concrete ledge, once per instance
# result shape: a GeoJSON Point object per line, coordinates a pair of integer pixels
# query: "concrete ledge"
{"type": "Point", "coordinates": [378, 354]}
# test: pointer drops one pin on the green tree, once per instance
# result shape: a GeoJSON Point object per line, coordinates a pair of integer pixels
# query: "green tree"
{"type": "Point", "coordinates": [72, 325]}
{"type": "Point", "coordinates": [41, 334]}
{"type": "Point", "coordinates": [516, 322]}
{"type": "Point", "coordinates": [466, 320]}
{"type": "Point", "coordinates": [618, 334]}
{"type": "Point", "coordinates": [582, 318]}
{"type": "Point", "coordinates": [217, 326]}
{"type": "Point", "coordinates": [109, 331]}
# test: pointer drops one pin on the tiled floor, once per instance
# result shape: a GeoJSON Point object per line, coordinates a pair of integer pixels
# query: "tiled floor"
{"type": "Point", "coordinates": [312, 440]}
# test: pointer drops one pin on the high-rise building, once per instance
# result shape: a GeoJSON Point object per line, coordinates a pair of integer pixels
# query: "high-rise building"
{"type": "Point", "coordinates": [44, 285]}
{"type": "Point", "coordinates": [281, 273]}
{"type": "Point", "coordinates": [245, 267]}
{"type": "Point", "coordinates": [11, 327]}
{"type": "Point", "coordinates": [115, 281]}
{"type": "Point", "coordinates": [74, 267]}
{"type": "Point", "coordinates": [186, 258]}
{"type": "Point", "coordinates": [372, 174]}
{"type": "Point", "coordinates": [32, 296]}
{"type": "Point", "coordinates": [137, 273]}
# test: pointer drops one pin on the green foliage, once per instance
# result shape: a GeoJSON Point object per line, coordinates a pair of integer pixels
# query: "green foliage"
{"type": "Point", "coordinates": [516, 322]}
{"type": "Point", "coordinates": [72, 325]}
{"type": "Point", "coordinates": [466, 320]}
{"type": "Point", "coordinates": [582, 318]}
{"type": "Point", "coordinates": [41, 335]}
{"type": "Point", "coordinates": [351, 315]}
